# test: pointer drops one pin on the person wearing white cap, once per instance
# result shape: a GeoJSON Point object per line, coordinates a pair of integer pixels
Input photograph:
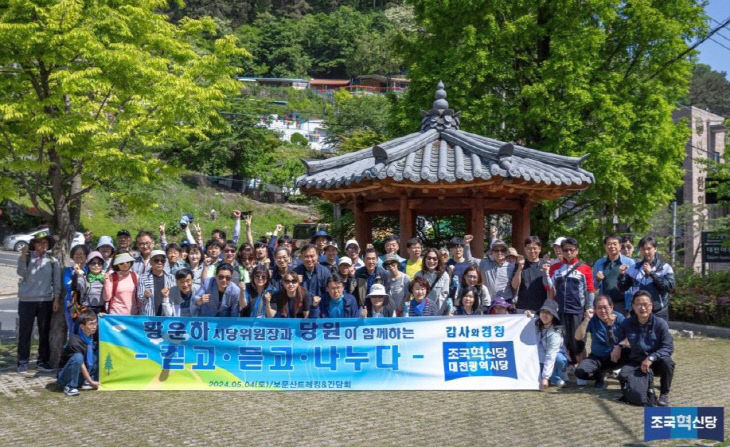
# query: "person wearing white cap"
{"type": "Point", "coordinates": [120, 292]}
{"type": "Point", "coordinates": [398, 283]}
{"type": "Point", "coordinates": [352, 249]}
{"type": "Point", "coordinates": [330, 253]}
{"type": "Point", "coordinates": [344, 268]}
{"type": "Point", "coordinates": [105, 246]}
{"type": "Point", "coordinates": [378, 305]}
{"type": "Point", "coordinates": [557, 250]}
{"type": "Point", "coordinates": [154, 290]}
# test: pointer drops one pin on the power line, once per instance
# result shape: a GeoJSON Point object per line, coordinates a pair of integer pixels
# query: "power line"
{"type": "Point", "coordinates": [721, 44]}
{"type": "Point", "coordinates": [695, 45]}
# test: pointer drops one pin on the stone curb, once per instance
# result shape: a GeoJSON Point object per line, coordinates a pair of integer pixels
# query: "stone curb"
{"type": "Point", "coordinates": [706, 330]}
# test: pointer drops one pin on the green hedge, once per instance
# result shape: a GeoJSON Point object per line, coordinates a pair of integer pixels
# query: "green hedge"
{"type": "Point", "coordinates": [702, 299]}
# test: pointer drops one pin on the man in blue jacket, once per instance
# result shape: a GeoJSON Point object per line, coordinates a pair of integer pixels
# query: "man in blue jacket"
{"type": "Point", "coordinates": [606, 273]}
{"type": "Point", "coordinates": [650, 274]}
{"type": "Point", "coordinates": [336, 303]}
{"type": "Point", "coordinates": [650, 344]}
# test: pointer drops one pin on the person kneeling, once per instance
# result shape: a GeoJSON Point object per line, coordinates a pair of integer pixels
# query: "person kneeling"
{"type": "Point", "coordinates": [79, 357]}
{"type": "Point", "coordinates": [550, 349]}
{"type": "Point", "coordinates": [602, 327]}
{"type": "Point", "coordinates": [651, 349]}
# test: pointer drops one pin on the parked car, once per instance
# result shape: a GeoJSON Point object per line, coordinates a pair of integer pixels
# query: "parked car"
{"type": "Point", "coordinates": [16, 242]}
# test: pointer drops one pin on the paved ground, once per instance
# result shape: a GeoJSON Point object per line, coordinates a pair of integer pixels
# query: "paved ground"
{"type": "Point", "coordinates": [8, 298]}
{"type": "Point", "coordinates": [32, 411]}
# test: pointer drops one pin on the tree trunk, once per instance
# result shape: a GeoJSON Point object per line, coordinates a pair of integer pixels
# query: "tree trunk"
{"type": "Point", "coordinates": [62, 229]}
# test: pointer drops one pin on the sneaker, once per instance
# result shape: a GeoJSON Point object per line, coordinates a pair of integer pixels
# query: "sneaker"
{"type": "Point", "coordinates": [614, 373]}
{"type": "Point", "coordinates": [44, 367]}
{"type": "Point", "coordinates": [558, 382]}
{"type": "Point", "coordinates": [564, 376]}
{"type": "Point", "coordinates": [663, 400]}
{"type": "Point", "coordinates": [68, 391]}
{"type": "Point", "coordinates": [600, 383]}
{"type": "Point", "coordinates": [581, 382]}
{"type": "Point", "coordinates": [86, 386]}
{"type": "Point", "coordinates": [23, 370]}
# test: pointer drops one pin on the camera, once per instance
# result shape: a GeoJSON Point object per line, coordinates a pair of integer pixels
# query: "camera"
{"type": "Point", "coordinates": [186, 220]}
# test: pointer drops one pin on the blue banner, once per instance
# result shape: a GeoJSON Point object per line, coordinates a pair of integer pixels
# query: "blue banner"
{"type": "Point", "coordinates": [684, 423]}
{"type": "Point", "coordinates": [181, 353]}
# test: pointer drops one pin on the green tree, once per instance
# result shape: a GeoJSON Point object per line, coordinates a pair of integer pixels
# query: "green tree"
{"type": "Point", "coordinates": [357, 121]}
{"type": "Point", "coordinates": [710, 90]}
{"type": "Point", "coordinates": [89, 89]}
{"type": "Point", "coordinates": [108, 366]}
{"type": "Point", "coordinates": [568, 77]}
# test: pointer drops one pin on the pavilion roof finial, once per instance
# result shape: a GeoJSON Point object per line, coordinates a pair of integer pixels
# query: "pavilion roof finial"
{"type": "Point", "coordinates": [440, 117]}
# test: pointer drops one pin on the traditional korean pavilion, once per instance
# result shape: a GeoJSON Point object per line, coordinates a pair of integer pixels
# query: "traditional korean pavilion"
{"type": "Point", "coordinates": [442, 170]}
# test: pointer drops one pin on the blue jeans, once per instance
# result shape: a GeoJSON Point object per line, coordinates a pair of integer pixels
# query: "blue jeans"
{"type": "Point", "coordinates": [561, 361]}
{"type": "Point", "coordinates": [71, 375]}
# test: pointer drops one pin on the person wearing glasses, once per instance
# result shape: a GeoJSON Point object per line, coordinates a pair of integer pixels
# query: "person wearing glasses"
{"type": "Point", "coordinates": [145, 244]}
{"type": "Point", "coordinates": [649, 342]}
{"type": "Point", "coordinates": [601, 322]}
{"type": "Point", "coordinates": [154, 291]}
{"type": "Point", "coordinates": [533, 277]}
{"type": "Point", "coordinates": [219, 296]}
{"type": "Point", "coordinates": [433, 270]}
{"type": "Point", "coordinates": [257, 295]}
{"type": "Point", "coordinates": [499, 274]}
{"type": "Point", "coordinates": [572, 288]}
{"type": "Point", "coordinates": [292, 300]}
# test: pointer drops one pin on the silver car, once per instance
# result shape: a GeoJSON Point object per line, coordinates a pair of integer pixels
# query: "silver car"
{"type": "Point", "coordinates": [18, 241]}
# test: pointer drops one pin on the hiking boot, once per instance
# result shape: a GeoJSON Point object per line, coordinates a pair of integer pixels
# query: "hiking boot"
{"type": "Point", "coordinates": [68, 391]}
{"type": "Point", "coordinates": [600, 383]}
{"type": "Point", "coordinates": [663, 400]}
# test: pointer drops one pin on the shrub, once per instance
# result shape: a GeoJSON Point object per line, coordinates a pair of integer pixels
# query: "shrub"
{"type": "Point", "coordinates": [702, 299]}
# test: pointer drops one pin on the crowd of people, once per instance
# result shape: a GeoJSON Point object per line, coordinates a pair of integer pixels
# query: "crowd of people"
{"type": "Point", "coordinates": [622, 300]}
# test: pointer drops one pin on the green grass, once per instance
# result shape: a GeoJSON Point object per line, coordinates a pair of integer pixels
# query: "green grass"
{"type": "Point", "coordinates": [103, 215]}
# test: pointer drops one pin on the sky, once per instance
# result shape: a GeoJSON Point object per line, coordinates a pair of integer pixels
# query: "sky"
{"type": "Point", "coordinates": [713, 53]}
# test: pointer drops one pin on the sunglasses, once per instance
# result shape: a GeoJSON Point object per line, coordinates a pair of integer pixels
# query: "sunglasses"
{"type": "Point", "coordinates": [499, 250]}
{"type": "Point", "coordinates": [158, 260]}
{"type": "Point", "coordinates": [229, 251]}
{"type": "Point", "coordinates": [96, 263]}
{"type": "Point", "coordinates": [224, 277]}
{"type": "Point", "coordinates": [431, 258]}
{"type": "Point", "coordinates": [291, 281]}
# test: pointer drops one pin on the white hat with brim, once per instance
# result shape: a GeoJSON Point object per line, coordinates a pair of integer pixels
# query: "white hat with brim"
{"type": "Point", "coordinates": [121, 258]}
{"type": "Point", "coordinates": [105, 240]}
{"type": "Point", "coordinates": [158, 253]}
{"type": "Point", "coordinates": [377, 290]}
{"type": "Point", "coordinates": [345, 260]}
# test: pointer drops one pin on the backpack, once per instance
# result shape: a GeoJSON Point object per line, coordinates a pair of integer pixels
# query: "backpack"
{"type": "Point", "coordinates": [636, 388]}
{"type": "Point", "coordinates": [115, 283]}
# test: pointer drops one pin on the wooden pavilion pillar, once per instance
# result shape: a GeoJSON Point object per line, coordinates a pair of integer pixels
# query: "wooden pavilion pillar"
{"type": "Point", "coordinates": [406, 223]}
{"type": "Point", "coordinates": [476, 222]}
{"type": "Point", "coordinates": [521, 226]}
{"type": "Point", "coordinates": [363, 227]}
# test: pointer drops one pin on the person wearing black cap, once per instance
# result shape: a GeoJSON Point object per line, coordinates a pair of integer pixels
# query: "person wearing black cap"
{"type": "Point", "coordinates": [124, 243]}
{"type": "Point", "coordinates": [319, 240]}
{"type": "Point", "coordinates": [549, 346]}
{"type": "Point", "coordinates": [39, 295]}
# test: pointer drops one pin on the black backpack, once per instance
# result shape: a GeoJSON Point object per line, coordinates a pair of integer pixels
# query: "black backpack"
{"type": "Point", "coordinates": [636, 388]}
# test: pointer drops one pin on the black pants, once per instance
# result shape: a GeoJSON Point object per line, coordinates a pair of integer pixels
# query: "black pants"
{"type": "Point", "coordinates": [28, 312]}
{"type": "Point", "coordinates": [570, 322]}
{"type": "Point", "coordinates": [594, 367]}
{"type": "Point", "coordinates": [663, 367]}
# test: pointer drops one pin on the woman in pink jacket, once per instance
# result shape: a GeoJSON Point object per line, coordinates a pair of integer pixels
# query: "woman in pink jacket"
{"type": "Point", "coordinates": [120, 287]}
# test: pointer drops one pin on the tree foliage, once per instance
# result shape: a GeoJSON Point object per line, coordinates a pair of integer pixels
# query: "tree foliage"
{"type": "Point", "coordinates": [357, 122]}
{"type": "Point", "coordinates": [710, 90]}
{"type": "Point", "coordinates": [569, 77]}
{"type": "Point", "coordinates": [339, 44]}
{"type": "Point", "coordinates": [89, 89]}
